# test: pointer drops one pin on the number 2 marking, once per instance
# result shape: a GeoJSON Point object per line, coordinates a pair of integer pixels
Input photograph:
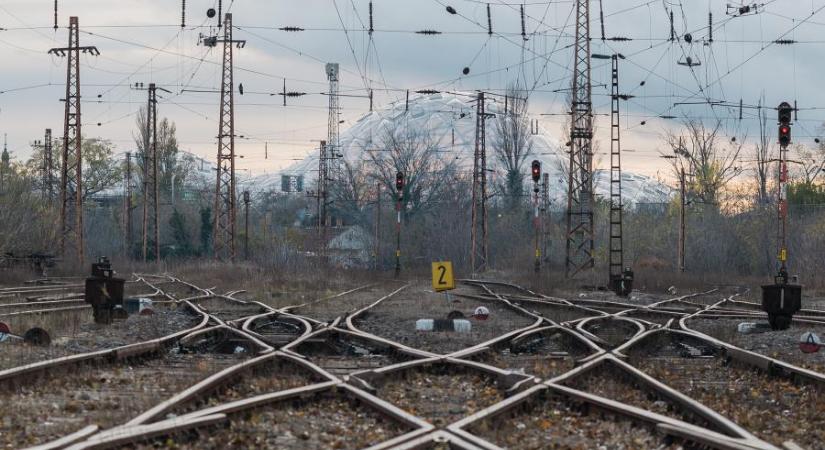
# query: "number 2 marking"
{"type": "Point", "coordinates": [443, 270]}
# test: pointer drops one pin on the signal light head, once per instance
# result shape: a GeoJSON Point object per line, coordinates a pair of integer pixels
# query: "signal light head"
{"type": "Point", "coordinates": [784, 135]}
{"type": "Point", "coordinates": [399, 181]}
{"type": "Point", "coordinates": [536, 170]}
{"type": "Point", "coordinates": [785, 111]}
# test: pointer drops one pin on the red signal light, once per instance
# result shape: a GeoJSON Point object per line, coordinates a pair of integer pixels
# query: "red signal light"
{"type": "Point", "coordinates": [536, 170]}
{"type": "Point", "coordinates": [399, 181]}
{"type": "Point", "coordinates": [784, 135]}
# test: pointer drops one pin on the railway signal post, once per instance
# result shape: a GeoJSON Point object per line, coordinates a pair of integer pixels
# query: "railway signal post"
{"type": "Point", "coordinates": [399, 186]}
{"type": "Point", "coordinates": [782, 299]}
{"type": "Point", "coordinates": [535, 172]}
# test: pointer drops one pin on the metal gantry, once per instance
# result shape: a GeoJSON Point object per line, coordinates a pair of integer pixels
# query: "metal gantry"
{"type": "Point", "coordinates": [224, 238]}
{"type": "Point", "coordinates": [151, 230]}
{"type": "Point", "coordinates": [616, 249]}
{"type": "Point", "coordinates": [71, 164]}
{"type": "Point", "coordinates": [580, 241]}
{"type": "Point", "coordinates": [478, 230]}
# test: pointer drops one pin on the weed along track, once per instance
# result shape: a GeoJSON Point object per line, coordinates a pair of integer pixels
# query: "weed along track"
{"type": "Point", "coordinates": [369, 367]}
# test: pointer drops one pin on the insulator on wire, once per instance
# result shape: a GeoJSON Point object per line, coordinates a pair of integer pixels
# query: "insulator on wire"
{"type": "Point", "coordinates": [795, 112]}
{"type": "Point", "coordinates": [619, 39]}
{"type": "Point", "coordinates": [220, 12]}
{"type": "Point", "coordinates": [523, 31]}
{"type": "Point", "coordinates": [740, 109]}
{"type": "Point", "coordinates": [489, 21]}
{"type": "Point", "coordinates": [672, 29]}
{"type": "Point", "coordinates": [601, 16]}
{"type": "Point", "coordinates": [428, 32]}
{"type": "Point", "coordinates": [710, 27]}
{"type": "Point", "coordinates": [55, 14]}
{"type": "Point", "coordinates": [284, 93]}
{"type": "Point", "coordinates": [427, 91]}
{"type": "Point", "coordinates": [784, 41]}
{"type": "Point", "coordinates": [371, 27]}
{"type": "Point", "coordinates": [291, 29]}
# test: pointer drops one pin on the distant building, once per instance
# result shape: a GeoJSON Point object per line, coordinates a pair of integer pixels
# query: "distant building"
{"type": "Point", "coordinates": [350, 247]}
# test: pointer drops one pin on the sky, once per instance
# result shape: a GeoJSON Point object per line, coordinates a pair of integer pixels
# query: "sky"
{"type": "Point", "coordinates": [141, 41]}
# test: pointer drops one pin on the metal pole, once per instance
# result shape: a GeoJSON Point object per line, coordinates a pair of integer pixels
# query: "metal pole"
{"type": "Point", "coordinates": [127, 214]}
{"type": "Point", "coordinates": [377, 251]}
{"type": "Point", "coordinates": [537, 225]}
{"type": "Point", "coordinates": [398, 237]}
{"type": "Point", "coordinates": [246, 201]}
{"type": "Point", "coordinates": [683, 202]}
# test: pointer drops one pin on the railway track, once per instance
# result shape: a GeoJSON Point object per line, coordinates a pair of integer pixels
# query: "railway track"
{"type": "Point", "coordinates": [351, 371]}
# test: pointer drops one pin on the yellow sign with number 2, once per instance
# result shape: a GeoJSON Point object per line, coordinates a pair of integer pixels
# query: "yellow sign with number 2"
{"type": "Point", "coordinates": [443, 276]}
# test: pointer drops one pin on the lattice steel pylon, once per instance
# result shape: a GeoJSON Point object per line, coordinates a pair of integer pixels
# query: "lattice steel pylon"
{"type": "Point", "coordinates": [224, 238]}
{"type": "Point", "coordinates": [48, 166]}
{"type": "Point", "coordinates": [333, 147]}
{"type": "Point", "coordinates": [71, 164]}
{"type": "Point", "coordinates": [616, 247]}
{"type": "Point", "coordinates": [580, 240]}
{"type": "Point", "coordinates": [151, 230]}
{"type": "Point", "coordinates": [478, 230]}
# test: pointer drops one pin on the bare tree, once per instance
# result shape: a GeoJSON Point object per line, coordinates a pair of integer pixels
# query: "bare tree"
{"type": "Point", "coordinates": [710, 162]}
{"type": "Point", "coordinates": [763, 152]}
{"type": "Point", "coordinates": [810, 162]}
{"type": "Point", "coordinates": [417, 155]}
{"type": "Point", "coordinates": [512, 145]}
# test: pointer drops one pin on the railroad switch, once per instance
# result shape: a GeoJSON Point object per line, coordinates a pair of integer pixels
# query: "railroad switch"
{"type": "Point", "coordinates": [105, 292]}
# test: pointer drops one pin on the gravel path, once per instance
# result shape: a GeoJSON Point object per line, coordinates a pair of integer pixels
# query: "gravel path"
{"type": "Point", "coordinates": [395, 319]}
{"type": "Point", "coordinates": [781, 344]}
{"type": "Point", "coordinates": [549, 422]}
{"type": "Point", "coordinates": [105, 395]}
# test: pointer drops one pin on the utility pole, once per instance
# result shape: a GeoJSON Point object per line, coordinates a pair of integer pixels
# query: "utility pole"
{"type": "Point", "coordinates": [545, 213]}
{"type": "Point", "coordinates": [377, 249]}
{"type": "Point", "coordinates": [580, 242]}
{"type": "Point", "coordinates": [536, 174]}
{"type": "Point", "coordinates": [333, 148]}
{"type": "Point", "coordinates": [682, 204]}
{"type": "Point", "coordinates": [246, 202]}
{"type": "Point", "coordinates": [71, 170]}
{"type": "Point", "coordinates": [224, 239]}
{"type": "Point", "coordinates": [478, 230]}
{"type": "Point", "coordinates": [151, 230]}
{"type": "Point", "coordinates": [48, 165]}
{"type": "Point", "coordinates": [321, 197]}
{"type": "Point", "coordinates": [127, 204]}
{"type": "Point", "coordinates": [616, 265]}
